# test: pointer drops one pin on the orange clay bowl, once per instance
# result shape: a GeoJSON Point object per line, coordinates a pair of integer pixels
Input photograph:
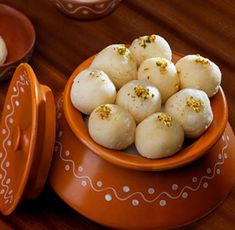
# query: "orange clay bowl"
{"type": "Point", "coordinates": [185, 156]}
{"type": "Point", "coordinates": [126, 191]}
{"type": "Point", "coordinates": [19, 36]}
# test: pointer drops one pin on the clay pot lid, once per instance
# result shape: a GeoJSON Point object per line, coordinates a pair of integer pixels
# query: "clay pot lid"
{"type": "Point", "coordinates": [27, 135]}
{"type": "Point", "coordinates": [192, 152]}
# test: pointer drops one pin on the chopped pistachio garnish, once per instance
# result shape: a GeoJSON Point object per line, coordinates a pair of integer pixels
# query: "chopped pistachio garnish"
{"type": "Point", "coordinates": [145, 69]}
{"type": "Point", "coordinates": [201, 59]}
{"type": "Point", "coordinates": [122, 50]}
{"type": "Point", "coordinates": [104, 111]}
{"type": "Point", "coordinates": [166, 119]}
{"type": "Point", "coordinates": [149, 39]}
{"type": "Point", "coordinates": [195, 104]}
{"type": "Point", "coordinates": [142, 92]}
{"type": "Point", "coordinates": [95, 73]}
{"type": "Point", "coordinates": [162, 63]}
{"type": "Point", "coordinates": [142, 42]}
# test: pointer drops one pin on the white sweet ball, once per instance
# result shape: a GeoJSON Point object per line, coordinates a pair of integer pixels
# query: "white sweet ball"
{"type": "Point", "coordinates": [191, 108]}
{"type": "Point", "coordinates": [3, 51]}
{"type": "Point", "coordinates": [112, 126]}
{"type": "Point", "coordinates": [118, 62]}
{"type": "Point", "coordinates": [140, 98]}
{"type": "Point", "coordinates": [90, 89]}
{"type": "Point", "coordinates": [158, 136]}
{"type": "Point", "coordinates": [150, 46]}
{"type": "Point", "coordinates": [198, 72]}
{"type": "Point", "coordinates": [162, 73]}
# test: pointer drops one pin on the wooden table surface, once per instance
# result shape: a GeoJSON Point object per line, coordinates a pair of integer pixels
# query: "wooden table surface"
{"type": "Point", "coordinates": [205, 27]}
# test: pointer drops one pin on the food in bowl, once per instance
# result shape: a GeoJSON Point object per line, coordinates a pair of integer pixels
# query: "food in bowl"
{"type": "Point", "coordinates": [198, 72]}
{"type": "Point", "coordinates": [161, 73]}
{"type": "Point", "coordinates": [112, 126]}
{"type": "Point", "coordinates": [118, 63]}
{"type": "Point", "coordinates": [3, 51]}
{"type": "Point", "coordinates": [140, 98]}
{"type": "Point", "coordinates": [191, 108]}
{"type": "Point", "coordinates": [150, 46]}
{"type": "Point", "coordinates": [90, 89]}
{"type": "Point", "coordinates": [145, 92]}
{"type": "Point", "coordinates": [158, 136]}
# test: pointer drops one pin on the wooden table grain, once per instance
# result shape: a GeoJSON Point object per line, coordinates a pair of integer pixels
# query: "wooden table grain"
{"type": "Point", "coordinates": [205, 27]}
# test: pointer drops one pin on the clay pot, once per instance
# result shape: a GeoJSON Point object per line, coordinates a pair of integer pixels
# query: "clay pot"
{"type": "Point", "coordinates": [85, 9]}
{"type": "Point", "coordinates": [19, 36]}
{"type": "Point", "coordinates": [126, 191]}
{"type": "Point", "coordinates": [113, 188]}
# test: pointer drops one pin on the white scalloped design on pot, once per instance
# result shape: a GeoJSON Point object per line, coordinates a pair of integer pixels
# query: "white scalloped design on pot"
{"type": "Point", "coordinates": [98, 8]}
{"type": "Point", "coordinates": [110, 192]}
{"type": "Point", "coordinates": [5, 182]}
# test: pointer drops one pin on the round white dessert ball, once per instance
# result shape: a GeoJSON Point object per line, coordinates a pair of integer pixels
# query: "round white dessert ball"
{"type": "Point", "coordinates": [150, 46]}
{"type": "Point", "coordinates": [158, 136]}
{"type": "Point", "coordinates": [161, 73]}
{"type": "Point", "coordinates": [90, 89]}
{"type": "Point", "coordinates": [3, 51]}
{"type": "Point", "coordinates": [198, 72]}
{"type": "Point", "coordinates": [140, 98]}
{"type": "Point", "coordinates": [112, 126]}
{"type": "Point", "coordinates": [191, 108]}
{"type": "Point", "coordinates": [118, 62]}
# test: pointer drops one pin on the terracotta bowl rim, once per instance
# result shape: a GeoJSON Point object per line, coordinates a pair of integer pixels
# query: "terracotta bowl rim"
{"type": "Point", "coordinates": [22, 16]}
{"type": "Point", "coordinates": [197, 148]}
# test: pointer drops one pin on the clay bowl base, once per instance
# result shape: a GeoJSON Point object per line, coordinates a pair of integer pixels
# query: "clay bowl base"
{"type": "Point", "coordinates": [129, 199]}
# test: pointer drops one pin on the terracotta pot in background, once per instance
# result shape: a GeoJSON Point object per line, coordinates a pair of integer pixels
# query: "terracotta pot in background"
{"type": "Point", "coordinates": [85, 9]}
{"type": "Point", "coordinates": [19, 36]}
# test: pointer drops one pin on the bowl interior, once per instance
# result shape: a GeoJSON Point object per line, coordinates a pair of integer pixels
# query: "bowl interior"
{"type": "Point", "coordinates": [191, 152]}
{"type": "Point", "coordinates": [17, 32]}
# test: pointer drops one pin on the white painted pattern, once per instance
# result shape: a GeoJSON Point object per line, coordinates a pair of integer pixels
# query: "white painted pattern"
{"type": "Point", "coordinates": [174, 187]}
{"type": "Point", "coordinates": [110, 192]}
{"type": "Point", "coordinates": [162, 203]}
{"type": "Point", "coordinates": [108, 197]}
{"type": "Point", "coordinates": [182, 193]}
{"type": "Point", "coordinates": [85, 9]}
{"type": "Point", "coordinates": [6, 191]}
{"type": "Point", "coordinates": [126, 188]}
{"type": "Point", "coordinates": [135, 202]}
{"type": "Point", "coordinates": [99, 183]}
{"type": "Point", "coordinates": [151, 191]}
